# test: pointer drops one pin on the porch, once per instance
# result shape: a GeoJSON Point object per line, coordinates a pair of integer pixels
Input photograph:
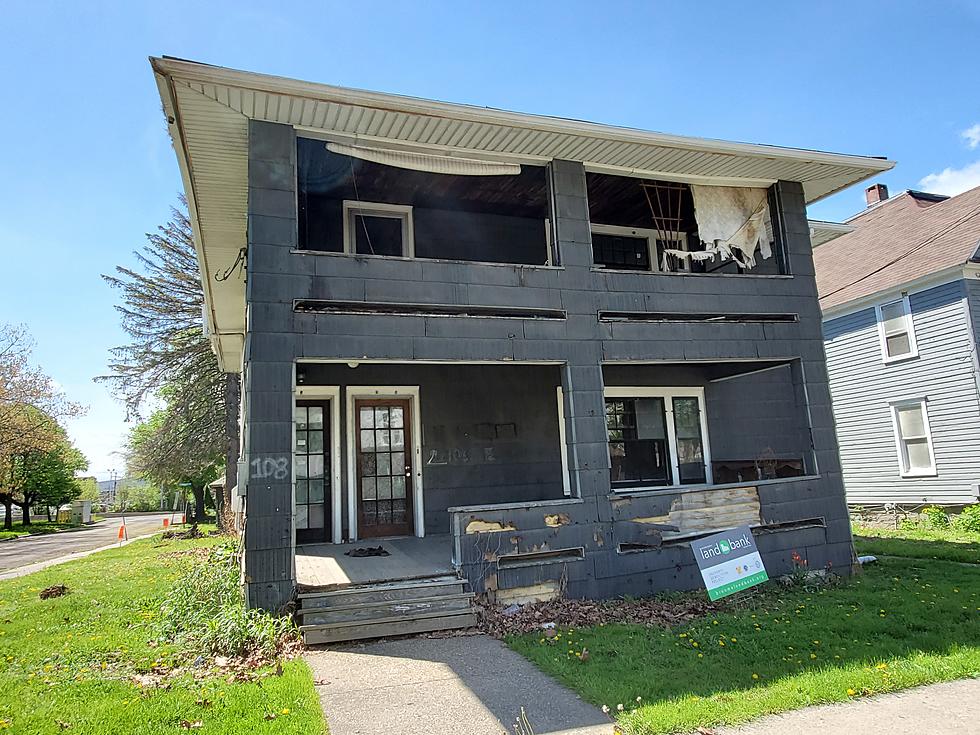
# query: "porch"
{"type": "Point", "coordinates": [332, 566]}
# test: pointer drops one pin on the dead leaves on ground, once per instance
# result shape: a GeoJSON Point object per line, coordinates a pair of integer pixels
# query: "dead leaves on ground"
{"type": "Point", "coordinates": [588, 613]}
{"type": "Point", "coordinates": [55, 590]}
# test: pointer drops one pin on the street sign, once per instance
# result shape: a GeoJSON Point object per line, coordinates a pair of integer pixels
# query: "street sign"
{"type": "Point", "coordinates": [729, 562]}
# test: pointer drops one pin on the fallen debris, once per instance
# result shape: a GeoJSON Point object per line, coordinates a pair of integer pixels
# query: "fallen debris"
{"type": "Point", "coordinates": [55, 590]}
{"type": "Point", "coordinates": [499, 621]}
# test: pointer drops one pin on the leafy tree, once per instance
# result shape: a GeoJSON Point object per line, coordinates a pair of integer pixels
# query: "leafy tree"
{"type": "Point", "coordinates": [170, 357]}
{"type": "Point", "coordinates": [50, 481]}
{"type": "Point", "coordinates": [30, 408]}
{"type": "Point", "coordinates": [88, 488]}
{"type": "Point", "coordinates": [163, 451]}
{"type": "Point", "coordinates": [138, 495]}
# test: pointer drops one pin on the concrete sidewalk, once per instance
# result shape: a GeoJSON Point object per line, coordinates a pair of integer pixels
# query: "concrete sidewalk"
{"type": "Point", "coordinates": [953, 707]}
{"type": "Point", "coordinates": [472, 685]}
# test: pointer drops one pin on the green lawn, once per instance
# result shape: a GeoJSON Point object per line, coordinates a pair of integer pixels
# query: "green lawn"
{"type": "Point", "coordinates": [947, 544]}
{"type": "Point", "coordinates": [36, 527]}
{"type": "Point", "coordinates": [900, 623]}
{"type": "Point", "coordinates": [81, 663]}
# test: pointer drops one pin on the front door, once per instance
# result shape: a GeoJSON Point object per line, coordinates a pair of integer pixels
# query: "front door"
{"type": "Point", "coordinates": [312, 464]}
{"type": "Point", "coordinates": [384, 467]}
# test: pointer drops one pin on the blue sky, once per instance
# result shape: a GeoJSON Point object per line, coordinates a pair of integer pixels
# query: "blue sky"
{"type": "Point", "coordinates": [88, 166]}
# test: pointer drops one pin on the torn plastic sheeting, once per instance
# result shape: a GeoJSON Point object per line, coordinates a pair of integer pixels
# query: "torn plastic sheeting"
{"type": "Point", "coordinates": [733, 221]}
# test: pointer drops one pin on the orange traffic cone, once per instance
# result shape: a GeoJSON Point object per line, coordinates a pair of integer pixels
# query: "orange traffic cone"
{"type": "Point", "coordinates": [166, 523]}
{"type": "Point", "coordinates": [183, 518]}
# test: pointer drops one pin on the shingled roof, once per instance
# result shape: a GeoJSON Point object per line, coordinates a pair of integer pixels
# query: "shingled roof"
{"type": "Point", "coordinates": [904, 238]}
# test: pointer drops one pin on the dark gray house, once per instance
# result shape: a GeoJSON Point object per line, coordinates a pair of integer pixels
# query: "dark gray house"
{"type": "Point", "coordinates": [901, 303]}
{"type": "Point", "coordinates": [535, 356]}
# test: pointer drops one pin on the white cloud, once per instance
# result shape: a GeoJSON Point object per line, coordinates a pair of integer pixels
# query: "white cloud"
{"type": "Point", "coordinates": [952, 181]}
{"type": "Point", "coordinates": [972, 136]}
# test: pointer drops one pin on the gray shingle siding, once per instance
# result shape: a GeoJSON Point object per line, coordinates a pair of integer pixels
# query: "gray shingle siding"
{"type": "Point", "coordinates": [944, 373]}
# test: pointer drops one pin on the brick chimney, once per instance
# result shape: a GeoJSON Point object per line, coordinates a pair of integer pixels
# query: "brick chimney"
{"type": "Point", "coordinates": [875, 193]}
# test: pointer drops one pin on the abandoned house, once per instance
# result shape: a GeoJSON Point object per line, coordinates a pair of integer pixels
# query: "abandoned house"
{"type": "Point", "coordinates": [524, 356]}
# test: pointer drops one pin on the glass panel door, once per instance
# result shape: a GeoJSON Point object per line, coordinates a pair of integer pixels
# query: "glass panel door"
{"type": "Point", "coordinates": [690, 445]}
{"type": "Point", "coordinates": [384, 468]}
{"type": "Point", "coordinates": [311, 470]}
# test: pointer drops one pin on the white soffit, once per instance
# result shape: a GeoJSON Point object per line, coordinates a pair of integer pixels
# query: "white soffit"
{"type": "Point", "coordinates": [210, 107]}
{"type": "Point", "coordinates": [822, 232]}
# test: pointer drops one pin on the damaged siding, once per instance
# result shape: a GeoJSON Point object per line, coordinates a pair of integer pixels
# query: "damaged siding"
{"type": "Point", "coordinates": [582, 527]}
{"type": "Point", "coordinates": [944, 373]}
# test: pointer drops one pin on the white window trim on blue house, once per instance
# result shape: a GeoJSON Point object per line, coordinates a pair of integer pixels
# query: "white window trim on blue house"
{"type": "Point", "coordinates": [904, 465]}
{"type": "Point", "coordinates": [909, 330]}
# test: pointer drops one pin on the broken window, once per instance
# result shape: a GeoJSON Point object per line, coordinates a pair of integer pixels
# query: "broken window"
{"type": "Point", "coordinates": [655, 439]}
{"type": "Point", "coordinates": [645, 225]}
{"type": "Point", "coordinates": [366, 201]}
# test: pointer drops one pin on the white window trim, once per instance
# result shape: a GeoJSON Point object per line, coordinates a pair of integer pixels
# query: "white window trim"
{"type": "Point", "coordinates": [401, 212]}
{"type": "Point", "coordinates": [411, 392]}
{"type": "Point", "coordinates": [331, 393]}
{"type": "Point", "coordinates": [903, 461]}
{"type": "Point", "coordinates": [909, 324]}
{"type": "Point", "coordinates": [651, 237]}
{"type": "Point", "coordinates": [566, 482]}
{"type": "Point", "coordinates": [668, 394]}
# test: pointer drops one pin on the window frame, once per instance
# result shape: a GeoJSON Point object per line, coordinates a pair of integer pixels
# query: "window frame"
{"type": "Point", "coordinates": [401, 212]}
{"type": "Point", "coordinates": [904, 466]}
{"type": "Point", "coordinates": [909, 327]}
{"type": "Point", "coordinates": [668, 395]}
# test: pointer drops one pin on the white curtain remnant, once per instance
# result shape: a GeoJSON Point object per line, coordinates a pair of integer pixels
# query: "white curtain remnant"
{"type": "Point", "coordinates": [426, 162]}
{"type": "Point", "coordinates": [733, 222]}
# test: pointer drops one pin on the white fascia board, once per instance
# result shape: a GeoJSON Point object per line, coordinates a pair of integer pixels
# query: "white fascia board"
{"type": "Point", "coordinates": [471, 113]}
{"type": "Point", "coordinates": [169, 100]}
{"type": "Point", "coordinates": [947, 275]}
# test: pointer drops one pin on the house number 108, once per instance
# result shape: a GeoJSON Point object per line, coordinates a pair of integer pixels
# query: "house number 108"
{"type": "Point", "coordinates": [274, 467]}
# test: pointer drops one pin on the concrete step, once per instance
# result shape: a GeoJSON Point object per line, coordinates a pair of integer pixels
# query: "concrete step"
{"type": "Point", "coordinates": [386, 627]}
{"type": "Point", "coordinates": [382, 592]}
{"type": "Point", "coordinates": [402, 608]}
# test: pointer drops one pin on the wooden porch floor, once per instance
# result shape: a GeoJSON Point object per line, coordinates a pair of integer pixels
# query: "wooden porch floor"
{"type": "Point", "coordinates": [326, 566]}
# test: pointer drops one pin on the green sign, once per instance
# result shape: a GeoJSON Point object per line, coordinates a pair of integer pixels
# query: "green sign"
{"type": "Point", "coordinates": [729, 562]}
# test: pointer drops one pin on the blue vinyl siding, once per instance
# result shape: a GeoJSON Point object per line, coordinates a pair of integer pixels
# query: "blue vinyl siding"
{"type": "Point", "coordinates": [944, 373]}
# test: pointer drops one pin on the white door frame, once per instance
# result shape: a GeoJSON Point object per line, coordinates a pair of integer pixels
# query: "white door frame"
{"type": "Point", "coordinates": [331, 393]}
{"type": "Point", "coordinates": [411, 392]}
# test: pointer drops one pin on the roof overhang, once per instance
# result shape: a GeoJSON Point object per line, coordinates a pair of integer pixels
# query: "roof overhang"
{"type": "Point", "coordinates": [208, 109]}
{"type": "Point", "coordinates": [822, 232]}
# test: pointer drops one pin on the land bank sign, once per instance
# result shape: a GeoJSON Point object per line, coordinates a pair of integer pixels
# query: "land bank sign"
{"type": "Point", "coordinates": [729, 562]}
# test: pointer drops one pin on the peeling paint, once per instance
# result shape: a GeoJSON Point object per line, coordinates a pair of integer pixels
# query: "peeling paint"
{"type": "Point", "coordinates": [478, 525]}
{"type": "Point", "coordinates": [557, 519]}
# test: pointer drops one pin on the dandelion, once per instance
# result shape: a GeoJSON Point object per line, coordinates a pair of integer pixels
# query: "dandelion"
{"type": "Point", "coordinates": [851, 692]}
{"type": "Point", "coordinates": [721, 643]}
{"type": "Point", "coordinates": [813, 655]}
{"type": "Point", "coordinates": [755, 676]}
{"type": "Point", "coordinates": [639, 699]}
{"type": "Point", "coordinates": [285, 710]}
{"type": "Point", "coordinates": [695, 644]}
{"type": "Point", "coordinates": [619, 708]}
{"type": "Point", "coordinates": [605, 709]}
{"type": "Point", "coordinates": [700, 655]}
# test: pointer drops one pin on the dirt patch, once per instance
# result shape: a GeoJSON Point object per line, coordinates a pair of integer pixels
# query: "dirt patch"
{"type": "Point", "coordinates": [500, 621]}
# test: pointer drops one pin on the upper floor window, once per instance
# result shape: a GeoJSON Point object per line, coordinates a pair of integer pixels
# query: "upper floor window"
{"type": "Point", "coordinates": [916, 456]}
{"type": "Point", "coordinates": [366, 201]}
{"type": "Point", "coordinates": [657, 437]}
{"type": "Point", "coordinates": [895, 330]}
{"type": "Point", "coordinates": [664, 226]}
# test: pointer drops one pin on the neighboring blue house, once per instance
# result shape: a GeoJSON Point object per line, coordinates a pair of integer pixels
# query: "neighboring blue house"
{"type": "Point", "coordinates": [900, 296]}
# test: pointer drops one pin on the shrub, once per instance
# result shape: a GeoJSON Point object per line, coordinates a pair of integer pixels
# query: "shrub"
{"type": "Point", "coordinates": [206, 613]}
{"type": "Point", "coordinates": [968, 520]}
{"type": "Point", "coordinates": [935, 517]}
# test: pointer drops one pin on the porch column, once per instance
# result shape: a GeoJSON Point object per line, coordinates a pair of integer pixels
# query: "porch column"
{"type": "Point", "coordinates": [581, 377]}
{"type": "Point", "coordinates": [270, 350]}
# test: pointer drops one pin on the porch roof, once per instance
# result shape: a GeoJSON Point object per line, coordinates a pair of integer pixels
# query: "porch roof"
{"type": "Point", "coordinates": [208, 108]}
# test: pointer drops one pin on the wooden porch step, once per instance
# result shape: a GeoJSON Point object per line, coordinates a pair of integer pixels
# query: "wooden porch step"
{"type": "Point", "coordinates": [386, 627]}
{"type": "Point", "coordinates": [381, 592]}
{"type": "Point", "coordinates": [365, 611]}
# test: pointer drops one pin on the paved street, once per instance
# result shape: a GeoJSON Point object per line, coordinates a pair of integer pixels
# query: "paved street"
{"type": "Point", "coordinates": [32, 549]}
